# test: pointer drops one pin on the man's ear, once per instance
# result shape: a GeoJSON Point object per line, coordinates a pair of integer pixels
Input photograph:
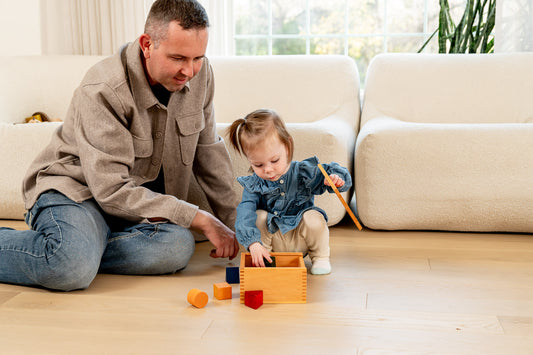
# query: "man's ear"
{"type": "Point", "coordinates": [145, 41]}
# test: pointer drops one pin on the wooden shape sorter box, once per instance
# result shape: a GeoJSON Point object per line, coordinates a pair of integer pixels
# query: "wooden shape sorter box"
{"type": "Point", "coordinates": [285, 283]}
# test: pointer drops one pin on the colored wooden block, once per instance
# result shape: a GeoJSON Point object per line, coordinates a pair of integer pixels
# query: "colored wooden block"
{"type": "Point", "coordinates": [222, 291]}
{"type": "Point", "coordinates": [197, 298]}
{"type": "Point", "coordinates": [253, 299]}
{"type": "Point", "coordinates": [232, 275]}
{"type": "Point", "coordinates": [285, 283]}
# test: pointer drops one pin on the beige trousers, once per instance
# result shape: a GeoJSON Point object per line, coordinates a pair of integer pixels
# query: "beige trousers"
{"type": "Point", "coordinates": [311, 236]}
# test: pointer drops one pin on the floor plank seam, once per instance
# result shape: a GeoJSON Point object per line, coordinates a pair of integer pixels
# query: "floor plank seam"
{"type": "Point", "coordinates": [206, 329]}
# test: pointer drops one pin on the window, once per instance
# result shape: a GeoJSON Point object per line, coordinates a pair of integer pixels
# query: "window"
{"type": "Point", "coordinates": [357, 28]}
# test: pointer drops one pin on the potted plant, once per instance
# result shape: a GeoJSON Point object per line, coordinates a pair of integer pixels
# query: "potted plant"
{"type": "Point", "coordinates": [473, 33]}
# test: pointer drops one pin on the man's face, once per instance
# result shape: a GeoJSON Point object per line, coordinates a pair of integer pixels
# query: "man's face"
{"type": "Point", "coordinates": [177, 59]}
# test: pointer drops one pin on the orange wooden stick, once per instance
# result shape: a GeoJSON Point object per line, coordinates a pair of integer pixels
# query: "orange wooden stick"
{"type": "Point", "coordinates": [340, 197]}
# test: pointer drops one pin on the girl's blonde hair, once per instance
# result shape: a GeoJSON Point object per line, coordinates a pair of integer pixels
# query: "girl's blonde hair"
{"type": "Point", "coordinates": [245, 133]}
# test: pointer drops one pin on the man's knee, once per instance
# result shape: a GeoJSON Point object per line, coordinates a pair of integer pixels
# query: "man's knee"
{"type": "Point", "coordinates": [163, 249]}
{"type": "Point", "coordinates": [175, 250]}
{"type": "Point", "coordinates": [69, 270]}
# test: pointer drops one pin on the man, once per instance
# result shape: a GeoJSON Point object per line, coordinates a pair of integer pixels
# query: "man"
{"type": "Point", "coordinates": [109, 192]}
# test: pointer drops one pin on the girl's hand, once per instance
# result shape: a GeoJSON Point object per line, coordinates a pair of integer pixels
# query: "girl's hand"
{"type": "Point", "coordinates": [258, 252]}
{"type": "Point", "coordinates": [336, 180]}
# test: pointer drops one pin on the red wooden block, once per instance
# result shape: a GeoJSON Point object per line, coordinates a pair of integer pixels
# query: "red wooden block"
{"type": "Point", "coordinates": [253, 299]}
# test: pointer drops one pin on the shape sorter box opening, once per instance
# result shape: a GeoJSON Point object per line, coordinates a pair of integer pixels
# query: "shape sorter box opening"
{"type": "Point", "coordinates": [284, 283]}
{"type": "Point", "coordinates": [282, 259]}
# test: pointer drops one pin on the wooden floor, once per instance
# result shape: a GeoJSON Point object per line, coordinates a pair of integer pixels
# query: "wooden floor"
{"type": "Point", "coordinates": [389, 293]}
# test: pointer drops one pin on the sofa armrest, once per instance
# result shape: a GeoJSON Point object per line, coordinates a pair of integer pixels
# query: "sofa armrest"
{"type": "Point", "coordinates": [467, 177]}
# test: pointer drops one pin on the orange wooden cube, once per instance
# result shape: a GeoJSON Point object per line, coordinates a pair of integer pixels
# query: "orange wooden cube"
{"type": "Point", "coordinates": [284, 283]}
{"type": "Point", "coordinates": [222, 291]}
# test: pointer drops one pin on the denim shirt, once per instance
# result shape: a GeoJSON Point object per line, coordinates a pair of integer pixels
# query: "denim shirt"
{"type": "Point", "coordinates": [285, 200]}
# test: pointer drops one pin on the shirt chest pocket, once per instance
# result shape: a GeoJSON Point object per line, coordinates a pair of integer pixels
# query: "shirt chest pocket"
{"type": "Point", "coordinates": [189, 127]}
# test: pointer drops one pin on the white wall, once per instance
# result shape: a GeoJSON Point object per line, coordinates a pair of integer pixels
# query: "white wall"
{"type": "Point", "coordinates": [20, 24]}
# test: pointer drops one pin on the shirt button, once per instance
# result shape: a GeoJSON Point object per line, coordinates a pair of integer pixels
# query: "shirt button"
{"type": "Point", "coordinates": [159, 134]}
{"type": "Point", "coordinates": [276, 213]}
{"type": "Point", "coordinates": [281, 181]}
{"type": "Point", "coordinates": [283, 194]}
{"type": "Point", "coordinates": [156, 162]}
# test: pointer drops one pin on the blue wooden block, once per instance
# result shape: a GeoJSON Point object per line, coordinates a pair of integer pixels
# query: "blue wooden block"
{"type": "Point", "coordinates": [232, 275]}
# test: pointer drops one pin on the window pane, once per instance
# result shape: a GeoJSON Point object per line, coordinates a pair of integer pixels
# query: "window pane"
{"type": "Point", "coordinates": [251, 16]}
{"type": "Point", "coordinates": [289, 17]}
{"type": "Point", "coordinates": [431, 47]}
{"type": "Point", "coordinates": [405, 44]}
{"type": "Point", "coordinates": [366, 16]}
{"type": "Point", "coordinates": [288, 46]}
{"type": "Point", "coordinates": [433, 15]}
{"type": "Point", "coordinates": [251, 46]}
{"type": "Point", "coordinates": [327, 17]}
{"type": "Point", "coordinates": [327, 45]}
{"type": "Point", "coordinates": [363, 50]}
{"type": "Point", "coordinates": [405, 16]}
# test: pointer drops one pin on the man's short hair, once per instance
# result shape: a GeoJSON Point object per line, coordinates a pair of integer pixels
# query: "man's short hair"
{"type": "Point", "coordinates": [190, 14]}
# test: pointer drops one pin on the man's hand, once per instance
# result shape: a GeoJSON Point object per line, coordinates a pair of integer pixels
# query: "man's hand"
{"type": "Point", "coordinates": [258, 253]}
{"type": "Point", "coordinates": [336, 180]}
{"type": "Point", "coordinates": [223, 238]}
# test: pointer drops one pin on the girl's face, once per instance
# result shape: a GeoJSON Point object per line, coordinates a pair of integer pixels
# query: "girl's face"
{"type": "Point", "coordinates": [269, 159]}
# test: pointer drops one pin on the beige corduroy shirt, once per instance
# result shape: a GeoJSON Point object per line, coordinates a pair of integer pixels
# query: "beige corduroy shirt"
{"type": "Point", "coordinates": [116, 136]}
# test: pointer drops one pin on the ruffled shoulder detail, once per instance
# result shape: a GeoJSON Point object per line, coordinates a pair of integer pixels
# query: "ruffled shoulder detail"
{"type": "Point", "coordinates": [254, 184]}
{"type": "Point", "coordinates": [308, 172]}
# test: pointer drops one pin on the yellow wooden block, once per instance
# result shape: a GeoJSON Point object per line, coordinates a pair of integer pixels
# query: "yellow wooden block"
{"type": "Point", "coordinates": [222, 291]}
{"type": "Point", "coordinates": [285, 283]}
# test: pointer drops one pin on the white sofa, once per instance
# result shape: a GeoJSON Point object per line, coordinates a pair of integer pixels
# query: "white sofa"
{"type": "Point", "coordinates": [446, 143]}
{"type": "Point", "coordinates": [317, 96]}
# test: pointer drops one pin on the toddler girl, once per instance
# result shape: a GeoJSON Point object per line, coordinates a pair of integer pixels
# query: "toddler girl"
{"type": "Point", "coordinates": [277, 211]}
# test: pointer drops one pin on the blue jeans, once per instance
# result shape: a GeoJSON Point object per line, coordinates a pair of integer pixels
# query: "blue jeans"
{"type": "Point", "coordinates": [69, 243]}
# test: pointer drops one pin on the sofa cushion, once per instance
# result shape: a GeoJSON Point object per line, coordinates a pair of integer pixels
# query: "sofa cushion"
{"type": "Point", "coordinates": [40, 83]}
{"type": "Point", "coordinates": [19, 145]}
{"type": "Point", "coordinates": [451, 88]}
{"type": "Point", "coordinates": [316, 96]}
{"type": "Point", "coordinates": [465, 177]}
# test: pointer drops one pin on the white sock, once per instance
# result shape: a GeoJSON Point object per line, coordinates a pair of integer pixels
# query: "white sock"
{"type": "Point", "coordinates": [321, 266]}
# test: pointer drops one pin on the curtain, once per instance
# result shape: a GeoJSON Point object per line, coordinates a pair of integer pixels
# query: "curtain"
{"type": "Point", "coordinates": [90, 27]}
{"type": "Point", "coordinates": [514, 26]}
{"type": "Point", "coordinates": [220, 14]}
